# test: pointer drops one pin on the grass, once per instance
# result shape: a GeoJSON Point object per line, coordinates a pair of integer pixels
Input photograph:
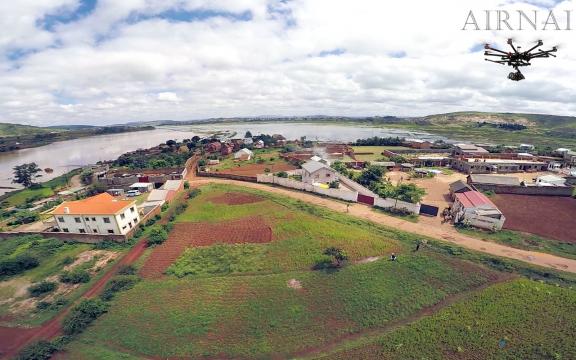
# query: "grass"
{"type": "Point", "coordinates": [256, 316]}
{"type": "Point", "coordinates": [235, 302]}
{"type": "Point", "coordinates": [497, 323]}
{"type": "Point", "coordinates": [375, 150]}
{"type": "Point", "coordinates": [269, 156]}
{"type": "Point", "coordinates": [524, 241]}
{"type": "Point", "coordinates": [45, 189]}
{"type": "Point", "coordinates": [409, 217]}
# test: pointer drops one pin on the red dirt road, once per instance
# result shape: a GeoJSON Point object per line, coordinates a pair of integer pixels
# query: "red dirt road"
{"type": "Point", "coordinates": [551, 217]}
{"type": "Point", "coordinates": [14, 339]}
{"type": "Point", "coordinates": [182, 236]}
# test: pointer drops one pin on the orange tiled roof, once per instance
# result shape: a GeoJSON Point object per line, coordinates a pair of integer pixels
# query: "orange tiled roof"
{"type": "Point", "coordinates": [102, 204]}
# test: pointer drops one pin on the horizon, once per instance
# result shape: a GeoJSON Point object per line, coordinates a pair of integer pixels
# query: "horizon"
{"type": "Point", "coordinates": [93, 62]}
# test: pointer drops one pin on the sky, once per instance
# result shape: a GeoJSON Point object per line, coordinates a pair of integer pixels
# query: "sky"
{"type": "Point", "coordinates": [113, 61]}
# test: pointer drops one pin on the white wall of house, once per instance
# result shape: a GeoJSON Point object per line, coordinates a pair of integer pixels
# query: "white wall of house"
{"type": "Point", "coordinates": [469, 217]}
{"type": "Point", "coordinates": [113, 224]}
{"type": "Point", "coordinates": [323, 176]}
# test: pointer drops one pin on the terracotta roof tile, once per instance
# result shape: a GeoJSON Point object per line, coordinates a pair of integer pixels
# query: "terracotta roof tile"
{"type": "Point", "coordinates": [102, 204]}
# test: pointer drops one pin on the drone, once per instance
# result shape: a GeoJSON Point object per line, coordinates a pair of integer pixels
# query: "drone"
{"type": "Point", "coordinates": [518, 58]}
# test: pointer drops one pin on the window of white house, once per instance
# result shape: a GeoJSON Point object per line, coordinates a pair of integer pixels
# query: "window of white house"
{"type": "Point", "coordinates": [95, 231]}
{"type": "Point", "coordinates": [78, 220]}
{"type": "Point", "coordinates": [60, 219]}
{"type": "Point", "coordinates": [122, 216]}
{"type": "Point", "coordinates": [93, 219]}
{"type": "Point", "coordinates": [82, 231]}
{"type": "Point", "coordinates": [135, 220]}
{"type": "Point", "coordinates": [87, 219]}
{"type": "Point", "coordinates": [65, 230]}
{"type": "Point", "coordinates": [110, 231]}
{"type": "Point", "coordinates": [106, 220]}
{"type": "Point", "coordinates": [130, 224]}
{"type": "Point", "coordinates": [124, 227]}
{"type": "Point", "coordinates": [132, 209]}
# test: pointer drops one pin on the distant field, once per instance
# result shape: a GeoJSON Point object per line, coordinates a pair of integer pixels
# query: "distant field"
{"type": "Point", "coordinates": [375, 150]}
{"type": "Point", "coordinates": [19, 130]}
{"type": "Point", "coordinates": [498, 323]}
{"type": "Point", "coordinates": [263, 159]}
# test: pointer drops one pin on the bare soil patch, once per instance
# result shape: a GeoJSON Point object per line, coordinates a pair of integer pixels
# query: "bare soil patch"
{"type": "Point", "coordinates": [551, 217]}
{"type": "Point", "coordinates": [236, 198]}
{"type": "Point", "coordinates": [247, 230]}
{"type": "Point", "coordinates": [294, 284]}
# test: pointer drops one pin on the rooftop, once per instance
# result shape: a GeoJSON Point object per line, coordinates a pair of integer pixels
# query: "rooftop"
{"type": "Point", "coordinates": [313, 166]}
{"type": "Point", "coordinates": [141, 184]}
{"type": "Point", "coordinates": [474, 199]}
{"type": "Point", "coordinates": [503, 161]}
{"type": "Point", "coordinates": [102, 204]}
{"type": "Point", "coordinates": [172, 185]}
{"type": "Point", "coordinates": [459, 185]}
{"type": "Point", "coordinates": [494, 179]}
{"type": "Point", "coordinates": [471, 148]}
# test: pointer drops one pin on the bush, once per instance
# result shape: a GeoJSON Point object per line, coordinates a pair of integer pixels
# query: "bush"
{"type": "Point", "coordinates": [117, 284]}
{"type": "Point", "coordinates": [164, 207]}
{"type": "Point", "coordinates": [18, 265]}
{"type": "Point", "coordinates": [67, 260]}
{"type": "Point", "coordinates": [150, 222]}
{"type": "Point", "coordinates": [38, 351]}
{"type": "Point", "coordinates": [157, 236]}
{"type": "Point", "coordinates": [168, 227]}
{"type": "Point", "coordinates": [127, 270]}
{"type": "Point", "coordinates": [83, 315]}
{"type": "Point", "coordinates": [41, 305]}
{"type": "Point", "coordinates": [42, 288]}
{"type": "Point", "coordinates": [186, 185]}
{"type": "Point", "coordinates": [193, 193]}
{"type": "Point", "coordinates": [75, 277]}
{"type": "Point", "coordinates": [282, 174]}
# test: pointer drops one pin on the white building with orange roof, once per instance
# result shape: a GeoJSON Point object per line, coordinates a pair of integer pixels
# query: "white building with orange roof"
{"type": "Point", "coordinates": [101, 214]}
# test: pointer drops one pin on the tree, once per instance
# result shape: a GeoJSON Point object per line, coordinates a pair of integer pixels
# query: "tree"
{"type": "Point", "coordinates": [171, 142]}
{"type": "Point", "coordinates": [25, 174]}
{"type": "Point", "coordinates": [157, 236]}
{"type": "Point", "coordinates": [334, 184]}
{"type": "Point", "coordinates": [341, 168]}
{"type": "Point", "coordinates": [372, 174]}
{"type": "Point", "coordinates": [282, 174]}
{"type": "Point", "coordinates": [86, 176]}
{"type": "Point", "coordinates": [409, 193]}
{"type": "Point", "coordinates": [248, 134]}
{"type": "Point", "coordinates": [338, 255]}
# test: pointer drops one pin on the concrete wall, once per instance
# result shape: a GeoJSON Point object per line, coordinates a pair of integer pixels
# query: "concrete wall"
{"type": "Point", "coordinates": [526, 190]}
{"type": "Point", "coordinates": [227, 176]}
{"type": "Point", "coordinates": [293, 184]}
{"type": "Point", "coordinates": [393, 203]}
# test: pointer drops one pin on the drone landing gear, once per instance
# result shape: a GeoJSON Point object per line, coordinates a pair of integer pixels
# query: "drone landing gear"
{"type": "Point", "coordinates": [516, 76]}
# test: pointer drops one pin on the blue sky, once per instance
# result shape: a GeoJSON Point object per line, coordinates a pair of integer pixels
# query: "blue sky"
{"type": "Point", "coordinates": [98, 61]}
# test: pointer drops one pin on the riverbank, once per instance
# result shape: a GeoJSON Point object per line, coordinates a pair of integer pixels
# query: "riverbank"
{"type": "Point", "coordinates": [26, 141]}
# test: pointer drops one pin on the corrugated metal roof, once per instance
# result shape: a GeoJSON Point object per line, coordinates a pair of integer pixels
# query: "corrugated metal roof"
{"type": "Point", "coordinates": [494, 179]}
{"type": "Point", "coordinates": [313, 166]}
{"type": "Point", "coordinates": [473, 199]}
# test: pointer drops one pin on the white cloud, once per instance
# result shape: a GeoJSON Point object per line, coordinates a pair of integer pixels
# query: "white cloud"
{"type": "Point", "coordinates": [109, 66]}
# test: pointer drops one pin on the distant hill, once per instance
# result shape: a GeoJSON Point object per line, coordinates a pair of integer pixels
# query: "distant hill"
{"type": "Point", "coordinates": [20, 130]}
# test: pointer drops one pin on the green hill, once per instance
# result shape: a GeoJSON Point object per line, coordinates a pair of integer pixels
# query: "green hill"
{"type": "Point", "coordinates": [7, 130]}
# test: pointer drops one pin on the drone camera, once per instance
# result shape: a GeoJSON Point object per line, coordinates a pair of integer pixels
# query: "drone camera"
{"type": "Point", "coordinates": [516, 76]}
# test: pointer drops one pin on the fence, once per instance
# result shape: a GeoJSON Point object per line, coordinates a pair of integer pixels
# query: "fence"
{"type": "Point", "coordinates": [293, 184]}
{"type": "Point", "coordinates": [83, 238]}
{"type": "Point", "coordinates": [227, 176]}
{"type": "Point", "coordinates": [526, 190]}
{"type": "Point", "coordinates": [387, 203]}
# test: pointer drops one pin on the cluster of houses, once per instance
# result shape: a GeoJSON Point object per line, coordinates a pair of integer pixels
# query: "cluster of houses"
{"type": "Point", "coordinates": [225, 147]}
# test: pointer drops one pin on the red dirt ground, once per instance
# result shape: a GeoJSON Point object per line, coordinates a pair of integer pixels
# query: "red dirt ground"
{"type": "Point", "coordinates": [255, 169]}
{"type": "Point", "coordinates": [551, 217]}
{"type": "Point", "coordinates": [14, 339]}
{"type": "Point", "coordinates": [236, 198]}
{"type": "Point", "coordinates": [182, 236]}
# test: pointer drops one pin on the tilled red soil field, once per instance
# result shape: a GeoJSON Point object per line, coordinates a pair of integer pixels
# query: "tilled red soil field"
{"type": "Point", "coordinates": [236, 198]}
{"type": "Point", "coordinates": [182, 236]}
{"type": "Point", "coordinates": [551, 217]}
{"type": "Point", "coordinates": [255, 169]}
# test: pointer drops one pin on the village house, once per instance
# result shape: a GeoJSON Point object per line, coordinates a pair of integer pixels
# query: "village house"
{"type": "Point", "coordinates": [418, 143]}
{"type": "Point", "coordinates": [259, 144]}
{"type": "Point", "coordinates": [243, 154]}
{"type": "Point", "coordinates": [550, 180]}
{"type": "Point", "coordinates": [468, 149]}
{"type": "Point", "coordinates": [570, 158]}
{"type": "Point", "coordinates": [475, 209]}
{"type": "Point", "coordinates": [213, 147]}
{"type": "Point", "coordinates": [226, 149]}
{"type": "Point", "coordinates": [100, 214]}
{"type": "Point", "coordinates": [492, 165]}
{"type": "Point", "coordinates": [317, 172]}
{"type": "Point", "coordinates": [458, 187]}
{"type": "Point", "coordinates": [248, 141]}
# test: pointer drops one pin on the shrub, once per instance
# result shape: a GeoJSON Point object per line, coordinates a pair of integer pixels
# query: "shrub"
{"type": "Point", "coordinates": [267, 170]}
{"type": "Point", "coordinates": [75, 277]}
{"type": "Point", "coordinates": [168, 227]}
{"type": "Point", "coordinates": [127, 270]}
{"type": "Point", "coordinates": [157, 217]}
{"type": "Point", "coordinates": [164, 207]}
{"type": "Point", "coordinates": [186, 185]}
{"type": "Point", "coordinates": [117, 284]}
{"type": "Point", "coordinates": [18, 265]}
{"type": "Point", "coordinates": [41, 305]}
{"type": "Point", "coordinates": [282, 174]}
{"type": "Point", "coordinates": [83, 315]}
{"type": "Point", "coordinates": [38, 351]}
{"type": "Point", "coordinates": [67, 260]}
{"type": "Point", "coordinates": [42, 288]}
{"type": "Point", "coordinates": [150, 222]}
{"type": "Point", "coordinates": [193, 193]}
{"type": "Point", "coordinates": [157, 236]}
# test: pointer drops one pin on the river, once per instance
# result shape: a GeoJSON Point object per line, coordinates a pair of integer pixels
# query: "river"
{"type": "Point", "coordinates": [66, 155]}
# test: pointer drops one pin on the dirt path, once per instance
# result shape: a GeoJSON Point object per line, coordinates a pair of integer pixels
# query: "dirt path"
{"type": "Point", "coordinates": [14, 339]}
{"type": "Point", "coordinates": [445, 232]}
{"type": "Point", "coordinates": [393, 325]}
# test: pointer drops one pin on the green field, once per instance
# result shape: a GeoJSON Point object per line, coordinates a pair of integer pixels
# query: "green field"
{"type": "Point", "coordinates": [521, 319]}
{"type": "Point", "coordinates": [261, 156]}
{"type": "Point", "coordinates": [375, 150]}
{"type": "Point", "coordinates": [265, 301]}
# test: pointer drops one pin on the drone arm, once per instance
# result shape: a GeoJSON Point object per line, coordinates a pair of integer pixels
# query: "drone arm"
{"type": "Point", "coordinates": [500, 51]}
{"type": "Point", "coordinates": [534, 47]}
{"type": "Point", "coordinates": [501, 62]}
